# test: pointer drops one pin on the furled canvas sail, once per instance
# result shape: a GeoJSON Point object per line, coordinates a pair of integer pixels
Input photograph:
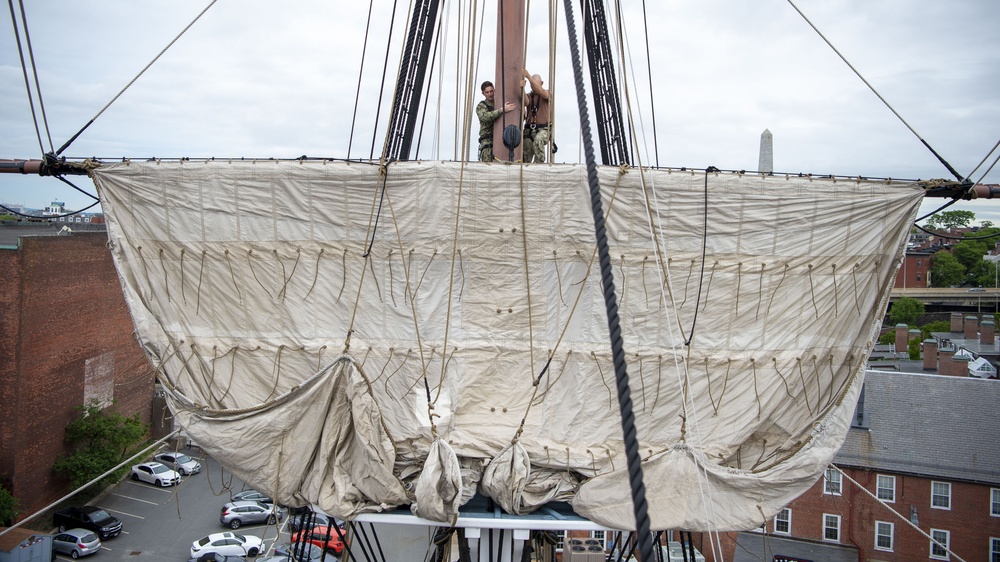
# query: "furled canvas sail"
{"type": "Point", "coordinates": [364, 338]}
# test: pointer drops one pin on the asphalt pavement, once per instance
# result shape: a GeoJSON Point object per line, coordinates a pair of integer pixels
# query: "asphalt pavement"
{"type": "Point", "coordinates": [159, 524]}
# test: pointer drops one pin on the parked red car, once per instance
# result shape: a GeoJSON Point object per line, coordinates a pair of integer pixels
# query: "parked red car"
{"type": "Point", "coordinates": [326, 538]}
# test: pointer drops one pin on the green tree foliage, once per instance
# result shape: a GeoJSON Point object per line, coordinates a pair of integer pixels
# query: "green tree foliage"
{"type": "Point", "coordinates": [8, 507]}
{"type": "Point", "coordinates": [946, 271]}
{"type": "Point", "coordinates": [969, 253]}
{"type": "Point", "coordinates": [939, 326]}
{"type": "Point", "coordinates": [100, 439]}
{"type": "Point", "coordinates": [951, 219]}
{"type": "Point", "coordinates": [913, 349]}
{"type": "Point", "coordinates": [906, 310]}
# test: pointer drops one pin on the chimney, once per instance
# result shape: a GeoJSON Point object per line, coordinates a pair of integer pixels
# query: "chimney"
{"type": "Point", "coordinates": [902, 333]}
{"type": "Point", "coordinates": [959, 366]}
{"type": "Point", "coordinates": [930, 354]}
{"type": "Point", "coordinates": [945, 352]}
{"type": "Point", "coordinates": [956, 321]}
{"type": "Point", "coordinates": [971, 328]}
{"type": "Point", "coordinates": [987, 330]}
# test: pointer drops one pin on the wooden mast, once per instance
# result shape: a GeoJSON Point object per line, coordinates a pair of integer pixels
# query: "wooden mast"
{"type": "Point", "coordinates": [507, 84]}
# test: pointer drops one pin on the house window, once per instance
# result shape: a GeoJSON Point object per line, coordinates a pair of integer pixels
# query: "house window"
{"type": "Point", "coordinates": [994, 549]}
{"type": "Point", "coordinates": [886, 488]}
{"type": "Point", "coordinates": [832, 482]}
{"type": "Point", "coordinates": [995, 503]}
{"type": "Point", "coordinates": [831, 527]}
{"type": "Point", "coordinates": [941, 495]}
{"type": "Point", "coordinates": [883, 536]}
{"type": "Point", "coordinates": [918, 265]}
{"type": "Point", "coordinates": [783, 522]}
{"type": "Point", "coordinates": [940, 544]}
{"type": "Point", "coordinates": [918, 276]}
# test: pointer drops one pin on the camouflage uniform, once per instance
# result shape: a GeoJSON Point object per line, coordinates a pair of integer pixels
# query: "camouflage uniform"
{"type": "Point", "coordinates": [536, 136]}
{"type": "Point", "coordinates": [487, 115]}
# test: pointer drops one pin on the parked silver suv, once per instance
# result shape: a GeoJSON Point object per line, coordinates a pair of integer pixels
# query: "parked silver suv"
{"type": "Point", "coordinates": [237, 514]}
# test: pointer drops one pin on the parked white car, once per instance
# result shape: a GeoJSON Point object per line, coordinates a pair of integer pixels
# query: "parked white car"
{"type": "Point", "coordinates": [230, 544]}
{"type": "Point", "coordinates": [180, 462]}
{"type": "Point", "coordinates": [155, 473]}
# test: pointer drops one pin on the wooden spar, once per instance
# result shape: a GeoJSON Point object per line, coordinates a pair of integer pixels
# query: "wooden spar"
{"type": "Point", "coordinates": [507, 85]}
{"type": "Point", "coordinates": [950, 190]}
{"type": "Point", "coordinates": [41, 167]}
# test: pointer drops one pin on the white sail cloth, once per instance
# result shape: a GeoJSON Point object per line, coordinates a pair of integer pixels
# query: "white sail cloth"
{"type": "Point", "coordinates": [361, 348]}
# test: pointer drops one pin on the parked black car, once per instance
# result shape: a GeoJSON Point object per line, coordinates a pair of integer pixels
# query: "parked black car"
{"type": "Point", "coordinates": [88, 517]}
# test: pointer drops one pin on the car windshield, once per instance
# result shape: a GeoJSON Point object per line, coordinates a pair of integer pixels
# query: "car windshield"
{"type": "Point", "coordinates": [241, 538]}
{"type": "Point", "coordinates": [100, 516]}
{"type": "Point", "coordinates": [158, 468]}
{"type": "Point", "coordinates": [204, 541]}
{"type": "Point", "coordinates": [89, 537]}
{"type": "Point", "coordinates": [182, 459]}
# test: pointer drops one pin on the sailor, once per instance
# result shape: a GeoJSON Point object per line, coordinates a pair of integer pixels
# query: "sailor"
{"type": "Point", "coordinates": [536, 118]}
{"type": "Point", "coordinates": [487, 115]}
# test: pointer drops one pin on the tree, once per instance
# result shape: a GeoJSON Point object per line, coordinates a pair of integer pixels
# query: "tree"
{"type": "Point", "coordinates": [906, 310]}
{"type": "Point", "coordinates": [946, 271]}
{"type": "Point", "coordinates": [8, 507]}
{"type": "Point", "coordinates": [951, 219]}
{"type": "Point", "coordinates": [100, 439]}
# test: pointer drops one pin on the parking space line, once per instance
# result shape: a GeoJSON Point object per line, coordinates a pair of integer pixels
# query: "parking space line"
{"type": "Point", "coordinates": [136, 499]}
{"type": "Point", "coordinates": [127, 513]}
{"type": "Point", "coordinates": [152, 487]}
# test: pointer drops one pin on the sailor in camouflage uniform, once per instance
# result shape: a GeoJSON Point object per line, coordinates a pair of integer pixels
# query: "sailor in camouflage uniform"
{"type": "Point", "coordinates": [536, 120]}
{"type": "Point", "coordinates": [487, 115]}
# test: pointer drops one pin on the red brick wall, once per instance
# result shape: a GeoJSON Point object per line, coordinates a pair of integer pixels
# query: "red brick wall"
{"type": "Point", "coordinates": [71, 311]}
{"type": "Point", "coordinates": [968, 520]}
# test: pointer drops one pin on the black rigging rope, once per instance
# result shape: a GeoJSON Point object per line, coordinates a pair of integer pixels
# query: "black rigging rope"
{"type": "Point", "coordinates": [649, 73]}
{"type": "Point", "coordinates": [874, 91]}
{"type": "Point", "coordinates": [132, 81]}
{"type": "Point", "coordinates": [24, 71]}
{"type": "Point", "coordinates": [357, 94]}
{"type": "Point", "coordinates": [385, 68]}
{"type": "Point", "coordinates": [631, 440]}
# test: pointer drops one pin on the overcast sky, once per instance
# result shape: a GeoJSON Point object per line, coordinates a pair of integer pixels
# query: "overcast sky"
{"type": "Point", "coordinates": [258, 78]}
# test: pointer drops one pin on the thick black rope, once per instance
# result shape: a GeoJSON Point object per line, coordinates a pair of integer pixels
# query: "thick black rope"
{"type": "Point", "coordinates": [639, 505]}
{"type": "Point", "coordinates": [357, 94]}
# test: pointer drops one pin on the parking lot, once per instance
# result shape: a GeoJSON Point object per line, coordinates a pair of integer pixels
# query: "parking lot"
{"type": "Point", "coordinates": [161, 523]}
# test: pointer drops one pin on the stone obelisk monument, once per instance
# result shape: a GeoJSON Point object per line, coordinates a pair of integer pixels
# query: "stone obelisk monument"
{"type": "Point", "coordinates": [766, 163]}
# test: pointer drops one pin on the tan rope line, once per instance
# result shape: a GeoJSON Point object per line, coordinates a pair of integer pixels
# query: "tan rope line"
{"type": "Point", "coordinates": [201, 277]}
{"type": "Point", "coordinates": [812, 291]}
{"type": "Point", "coordinates": [298, 255]}
{"type": "Point", "coordinates": [836, 296]}
{"type": "Point", "coordinates": [276, 372]}
{"type": "Point", "coordinates": [252, 271]}
{"type": "Point", "coordinates": [410, 293]}
{"type": "Point", "coordinates": [163, 267]}
{"type": "Point", "coordinates": [232, 275]}
{"type": "Point", "coordinates": [739, 283]}
{"type": "Point", "coordinates": [760, 290]}
{"type": "Point", "coordinates": [805, 391]}
{"type": "Point", "coordinates": [383, 173]}
{"type": "Point", "coordinates": [775, 291]}
{"type": "Point", "coordinates": [857, 298]}
{"type": "Point", "coordinates": [316, 274]}
{"type": "Point", "coordinates": [378, 288]}
{"type": "Point", "coordinates": [562, 334]}
{"type": "Point", "coordinates": [183, 298]}
{"type": "Point", "coordinates": [385, 385]}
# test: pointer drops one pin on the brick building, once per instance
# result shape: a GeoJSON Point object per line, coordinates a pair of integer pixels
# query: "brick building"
{"type": "Point", "coordinates": [926, 445]}
{"type": "Point", "coordinates": [66, 338]}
